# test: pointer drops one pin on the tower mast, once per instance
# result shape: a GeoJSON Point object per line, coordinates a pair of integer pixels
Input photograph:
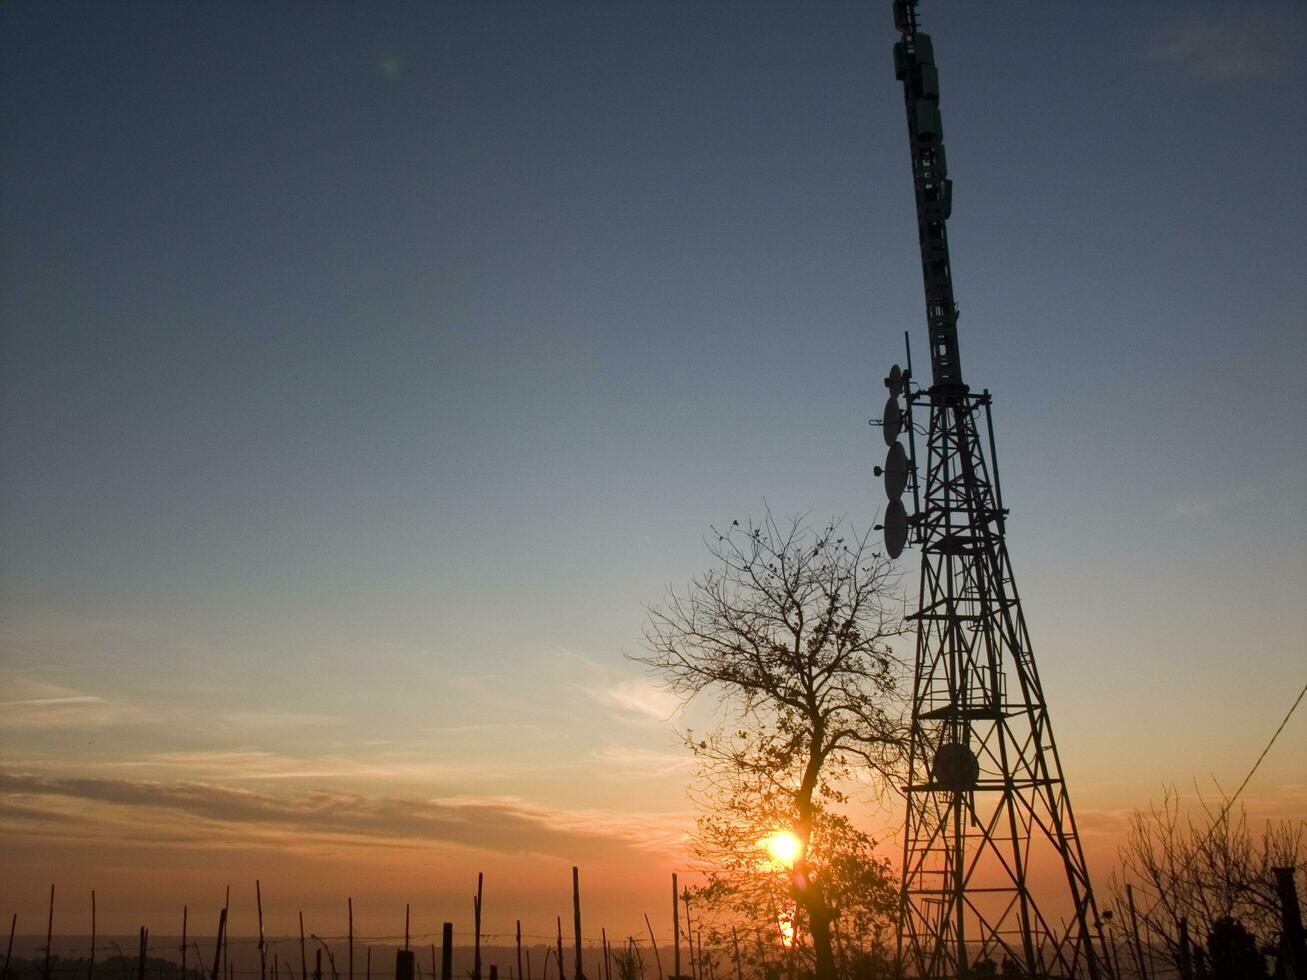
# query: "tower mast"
{"type": "Point", "coordinates": [993, 869]}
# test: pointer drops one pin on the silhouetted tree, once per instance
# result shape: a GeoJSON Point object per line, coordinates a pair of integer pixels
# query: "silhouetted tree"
{"type": "Point", "coordinates": [789, 632]}
{"type": "Point", "coordinates": [1203, 872]}
{"type": "Point", "coordinates": [1232, 952]}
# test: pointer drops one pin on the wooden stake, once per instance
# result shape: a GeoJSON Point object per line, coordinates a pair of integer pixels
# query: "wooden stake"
{"type": "Point", "coordinates": [350, 904]}
{"type": "Point", "coordinates": [528, 964]}
{"type": "Point", "coordinates": [676, 928]}
{"type": "Point", "coordinates": [226, 945]}
{"type": "Point", "coordinates": [263, 953]}
{"type": "Point", "coordinates": [476, 955]}
{"type": "Point", "coordinates": [183, 949]}
{"type": "Point", "coordinates": [561, 974]}
{"type": "Point", "coordinates": [406, 927]}
{"type": "Point", "coordinates": [433, 962]}
{"type": "Point", "coordinates": [447, 951]}
{"type": "Point", "coordinates": [654, 942]}
{"type": "Point", "coordinates": [608, 966]}
{"type": "Point", "coordinates": [1134, 928]}
{"type": "Point", "coordinates": [576, 920]}
{"type": "Point", "coordinates": [689, 935]}
{"type": "Point", "coordinates": [317, 964]}
{"type": "Point", "coordinates": [140, 958]}
{"type": "Point", "coordinates": [304, 958]}
{"type": "Point", "coordinates": [368, 967]}
{"type": "Point", "coordinates": [519, 950]}
{"type": "Point", "coordinates": [739, 974]}
{"type": "Point", "coordinates": [90, 967]}
{"type": "Point", "coordinates": [217, 950]}
{"type": "Point", "coordinates": [13, 924]}
{"type": "Point", "coordinates": [49, 932]}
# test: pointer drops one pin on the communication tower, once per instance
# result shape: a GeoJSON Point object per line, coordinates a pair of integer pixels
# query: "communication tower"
{"type": "Point", "coordinates": [993, 870]}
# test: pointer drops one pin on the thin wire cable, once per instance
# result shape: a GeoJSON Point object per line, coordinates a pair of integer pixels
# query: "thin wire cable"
{"type": "Point", "coordinates": [1242, 786]}
{"type": "Point", "coordinates": [1230, 802]}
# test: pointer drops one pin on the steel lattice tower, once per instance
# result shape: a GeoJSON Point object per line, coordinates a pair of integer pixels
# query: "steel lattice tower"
{"type": "Point", "coordinates": [992, 864]}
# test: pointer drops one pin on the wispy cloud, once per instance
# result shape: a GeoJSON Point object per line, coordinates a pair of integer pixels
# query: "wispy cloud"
{"type": "Point", "coordinates": [1234, 498]}
{"type": "Point", "coordinates": [641, 698]}
{"type": "Point", "coordinates": [34, 702]}
{"type": "Point", "coordinates": [467, 729]}
{"type": "Point", "coordinates": [1239, 45]}
{"type": "Point", "coordinates": [245, 719]}
{"type": "Point", "coordinates": [202, 814]}
{"type": "Point", "coordinates": [1188, 509]}
{"type": "Point", "coordinates": [250, 764]}
{"type": "Point", "coordinates": [630, 763]}
{"type": "Point", "coordinates": [27, 705]}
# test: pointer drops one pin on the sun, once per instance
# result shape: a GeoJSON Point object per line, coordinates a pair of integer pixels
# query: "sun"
{"type": "Point", "coordinates": [783, 847]}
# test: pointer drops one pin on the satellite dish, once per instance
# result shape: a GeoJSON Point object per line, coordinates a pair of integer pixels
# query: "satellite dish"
{"type": "Point", "coordinates": [891, 421]}
{"type": "Point", "coordinates": [955, 768]}
{"type": "Point", "coordinates": [896, 528]}
{"type": "Point", "coordinates": [896, 471]}
{"type": "Point", "coordinates": [895, 381]}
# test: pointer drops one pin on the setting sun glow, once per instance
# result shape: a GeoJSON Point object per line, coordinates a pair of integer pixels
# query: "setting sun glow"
{"type": "Point", "coordinates": [783, 847]}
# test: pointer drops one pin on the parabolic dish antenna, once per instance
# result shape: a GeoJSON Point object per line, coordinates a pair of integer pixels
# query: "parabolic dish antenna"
{"type": "Point", "coordinates": [895, 381]}
{"type": "Point", "coordinates": [896, 528]}
{"type": "Point", "coordinates": [891, 421]}
{"type": "Point", "coordinates": [896, 471]}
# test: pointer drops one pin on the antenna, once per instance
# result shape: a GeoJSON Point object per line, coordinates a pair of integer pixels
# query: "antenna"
{"type": "Point", "coordinates": [896, 471]}
{"type": "Point", "coordinates": [986, 798]}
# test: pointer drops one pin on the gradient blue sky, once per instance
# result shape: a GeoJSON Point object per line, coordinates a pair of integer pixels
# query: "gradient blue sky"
{"type": "Point", "coordinates": [366, 367]}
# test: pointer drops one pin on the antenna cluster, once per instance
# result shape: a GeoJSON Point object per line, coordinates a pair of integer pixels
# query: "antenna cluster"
{"type": "Point", "coordinates": [898, 468]}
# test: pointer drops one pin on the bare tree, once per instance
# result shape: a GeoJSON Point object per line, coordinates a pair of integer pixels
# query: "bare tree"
{"type": "Point", "coordinates": [789, 631]}
{"type": "Point", "coordinates": [1197, 872]}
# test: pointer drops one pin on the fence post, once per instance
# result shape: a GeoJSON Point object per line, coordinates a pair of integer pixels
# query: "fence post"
{"type": "Point", "coordinates": [217, 950]}
{"type": "Point", "coordinates": [476, 949]}
{"type": "Point", "coordinates": [13, 924]}
{"type": "Point", "coordinates": [49, 932]}
{"type": "Point", "coordinates": [676, 930]}
{"type": "Point", "coordinates": [576, 920]}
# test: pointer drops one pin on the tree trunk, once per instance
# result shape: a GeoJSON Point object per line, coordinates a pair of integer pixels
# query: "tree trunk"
{"type": "Point", "coordinates": [813, 900]}
{"type": "Point", "coordinates": [807, 892]}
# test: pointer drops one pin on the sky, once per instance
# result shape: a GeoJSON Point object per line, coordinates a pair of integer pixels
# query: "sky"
{"type": "Point", "coordinates": [367, 369]}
